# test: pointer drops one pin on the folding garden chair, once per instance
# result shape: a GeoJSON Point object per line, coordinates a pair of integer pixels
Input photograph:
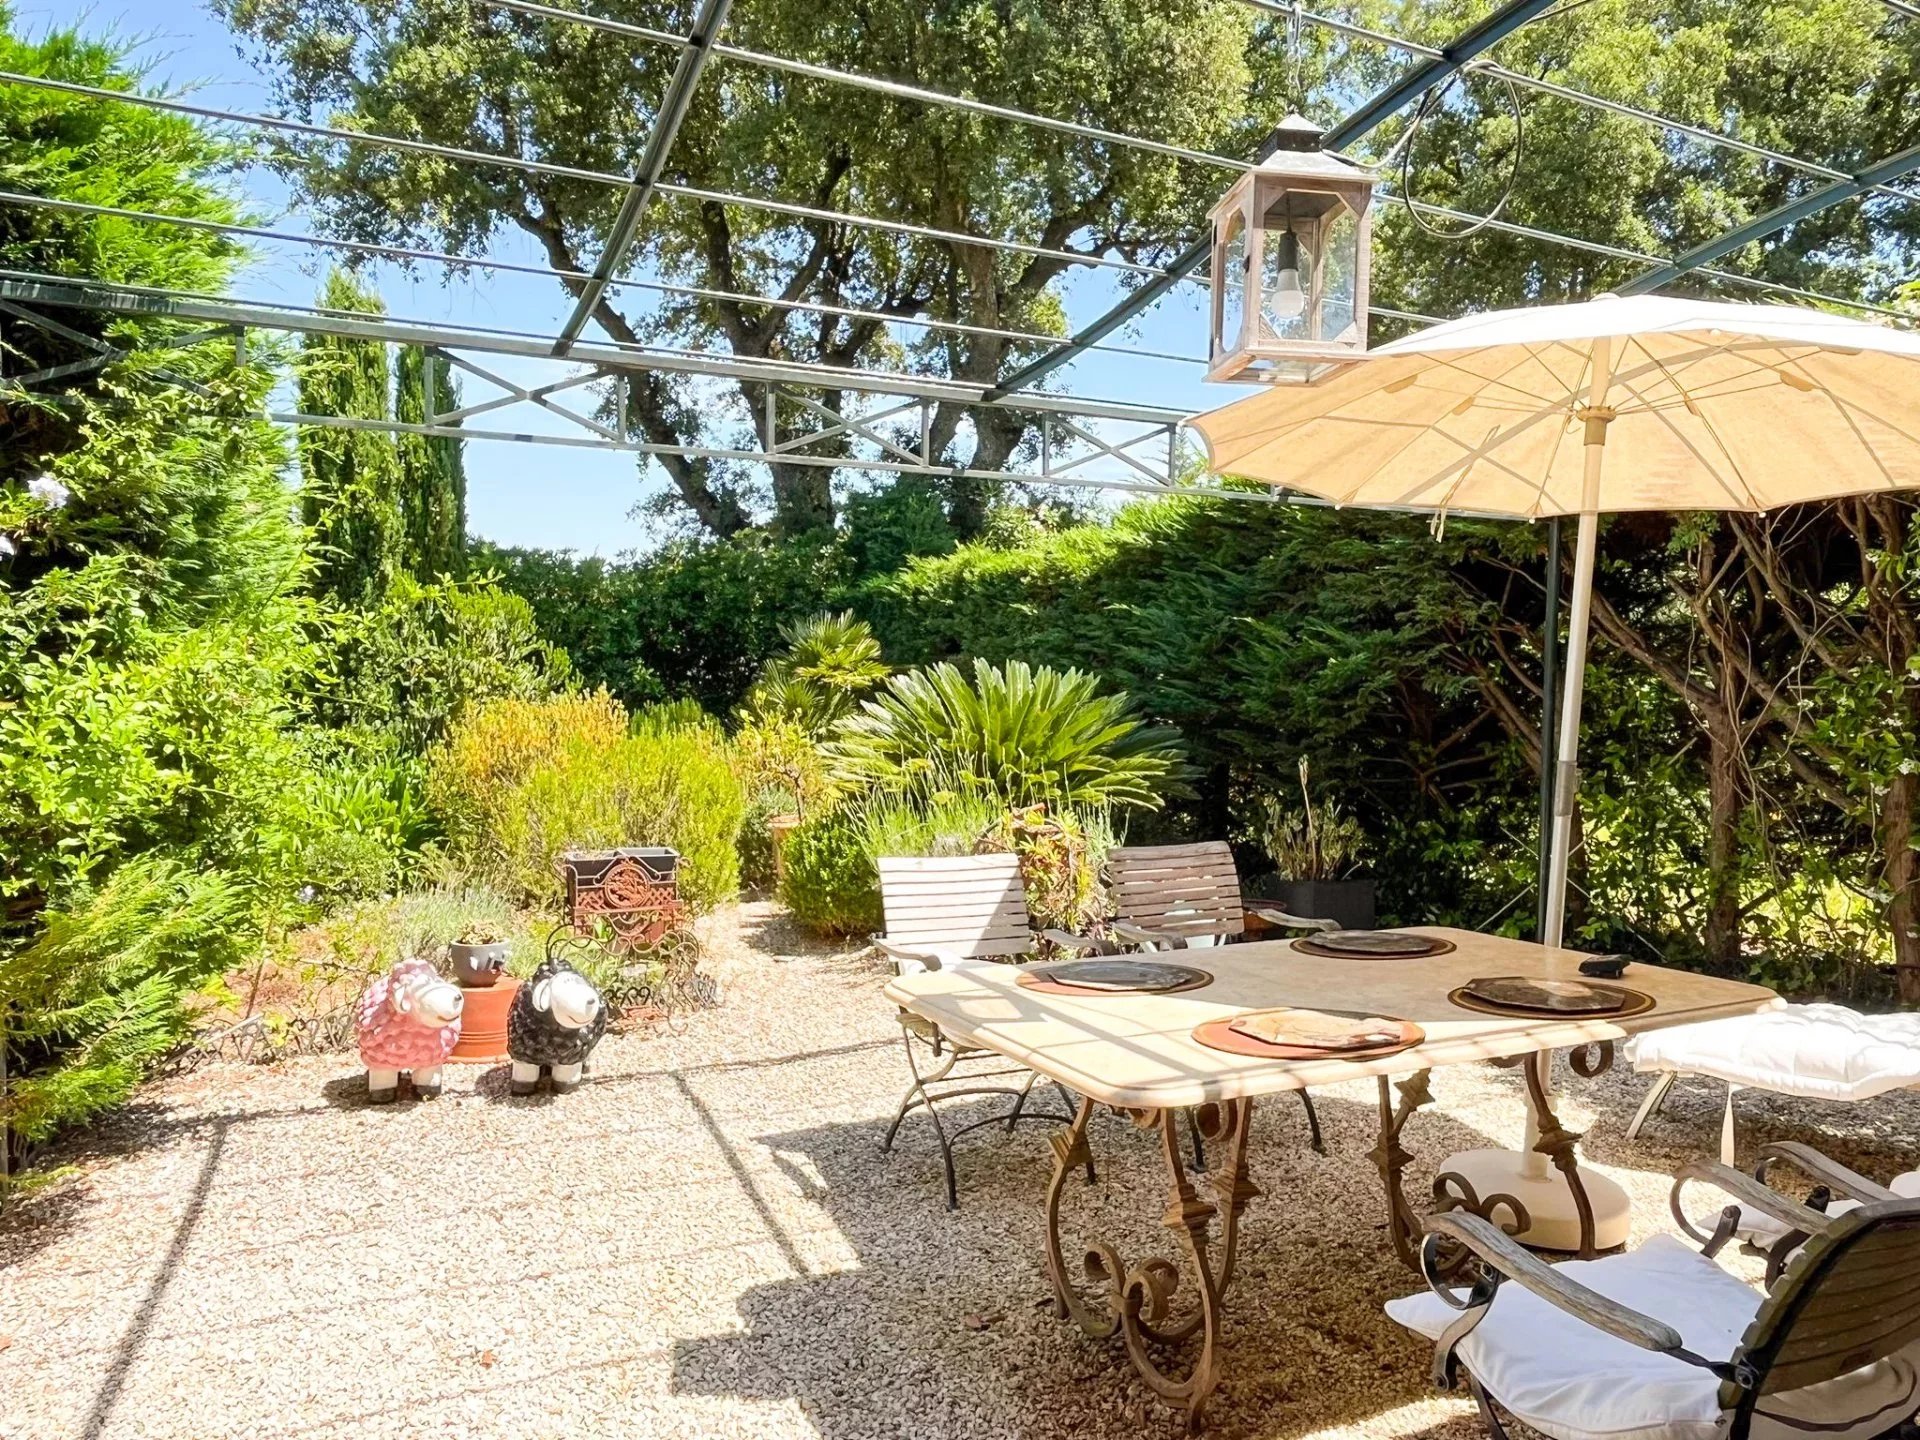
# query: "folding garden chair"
{"type": "Point", "coordinates": [949, 913]}
{"type": "Point", "coordinates": [1661, 1343]}
{"type": "Point", "coordinates": [1179, 897]}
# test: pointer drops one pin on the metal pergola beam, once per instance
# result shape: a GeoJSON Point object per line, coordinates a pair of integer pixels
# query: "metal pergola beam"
{"type": "Point", "coordinates": [1476, 38]}
{"type": "Point", "coordinates": [694, 51]}
{"type": "Point", "coordinates": [56, 292]}
{"type": "Point", "coordinates": [1777, 219]}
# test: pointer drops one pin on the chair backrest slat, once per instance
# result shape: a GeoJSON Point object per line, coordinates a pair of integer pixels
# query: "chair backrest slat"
{"type": "Point", "coordinates": [967, 905]}
{"type": "Point", "coordinates": [1188, 890]}
{"type": "Point", "coordinates": [1850, 1298]}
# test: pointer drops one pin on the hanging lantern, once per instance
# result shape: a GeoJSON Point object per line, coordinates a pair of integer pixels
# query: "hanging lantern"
{"type": "Point", "coordinates": [1291, 245]}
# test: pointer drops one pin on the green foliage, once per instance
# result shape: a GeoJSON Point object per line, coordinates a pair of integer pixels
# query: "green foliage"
{"type": "Point", "coordinates": [355, 827]}
{"type": "Point", "coordinates": [893, 523]}
{"type": "Point", "coordinates": [433, 474]}
{"type": "Point", "coordinates": [366, 938]}
{"type": "Point", "coordinates": [831, 885]}
{"type": "Point", "coordinates": [96, 997]}
{"type": "Point", "coordinates": [1013, 733]}
{"type": "Point", "coordinates": [409, 664]}
{"type": "Point", "coordinates": [831, 662]}
{"type": "Point", "coordinates": [350, 479]}
{"type": "Point", "coordinates": [1311, 840]}
{"type": "Point", "coordinates": [520, 782]}
{"type": "Point", "coordinates": [151, 629]}
{"type": "Point", "coordinates": [693, 619]}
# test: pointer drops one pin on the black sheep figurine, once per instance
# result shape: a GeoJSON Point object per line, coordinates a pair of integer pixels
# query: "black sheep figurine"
{"type": "Point", "coordinates": [553, 1025]}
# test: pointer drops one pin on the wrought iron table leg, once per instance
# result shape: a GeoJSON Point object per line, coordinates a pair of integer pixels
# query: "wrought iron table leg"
{"type": "Point", "coordinates": [1138, 1303]}
{"type": "Point", "coordinates": [1390, 1157]}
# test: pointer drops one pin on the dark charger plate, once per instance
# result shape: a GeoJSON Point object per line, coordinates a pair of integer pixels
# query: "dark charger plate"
{"type": "Point", "coordinates": [1150, 977]}
{"type": "Point", "coordinates": [1372, 945]}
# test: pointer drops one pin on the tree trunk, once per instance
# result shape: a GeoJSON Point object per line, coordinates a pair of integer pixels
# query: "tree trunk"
{"type": "Point", "coordinates": [1903, 882]}
{"type": "Point", "coordinates": [1726, 801]}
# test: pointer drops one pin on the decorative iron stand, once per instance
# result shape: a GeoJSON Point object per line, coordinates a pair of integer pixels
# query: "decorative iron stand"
{"type": "Point", "coordinates": [625, 905]}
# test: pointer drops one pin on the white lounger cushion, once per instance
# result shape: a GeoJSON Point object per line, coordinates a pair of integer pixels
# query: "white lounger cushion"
{"type": "Point", "coordinates": [1568, 1380]}
{"type": "Point", "coordinates": [1821, 1052]}
{"type": "Point", "coordinates": [1763, 1230]}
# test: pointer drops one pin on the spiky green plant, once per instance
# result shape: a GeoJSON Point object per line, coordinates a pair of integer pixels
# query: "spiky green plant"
{"type": "Point", "coordinates": [832, 661]}
{"type": "Point", "coordinates": [1014, 733]}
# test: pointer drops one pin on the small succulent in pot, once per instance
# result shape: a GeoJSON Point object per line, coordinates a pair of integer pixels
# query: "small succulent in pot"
{"type": "Point", "coordinates": [478, 956]}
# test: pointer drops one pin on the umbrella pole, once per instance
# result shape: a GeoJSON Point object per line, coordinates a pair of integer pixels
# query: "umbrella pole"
{"type": "Point", "coordinates": [1550, 699]}
{"type": "Point", "coordinates": [1566, 777]}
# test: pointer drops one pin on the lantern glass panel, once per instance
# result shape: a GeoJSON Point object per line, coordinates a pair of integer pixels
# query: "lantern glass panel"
{"type": "Point", "coordinates": [1340, 278]}
{"type": "Point", "coordinates": [1233, 287]}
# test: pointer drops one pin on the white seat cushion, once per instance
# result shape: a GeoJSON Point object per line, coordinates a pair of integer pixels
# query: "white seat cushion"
{"type": "Point", "coordinates": [1568, 1380]}
{"type": "Point", "coordinates": [1763, 1230]}
{"type": "Point", "coordinates": [1821, 1052]}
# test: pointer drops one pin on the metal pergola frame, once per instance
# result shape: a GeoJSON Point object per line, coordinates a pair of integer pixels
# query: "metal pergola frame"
{"type": "Point", "coordinates": [1074, 431]}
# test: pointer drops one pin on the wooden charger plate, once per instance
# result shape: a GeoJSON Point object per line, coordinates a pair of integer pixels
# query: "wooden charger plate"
{"type": "Point", "coordinates": [1118, 976]}
{"type": "Point", "coordinates": [1220, 1035]}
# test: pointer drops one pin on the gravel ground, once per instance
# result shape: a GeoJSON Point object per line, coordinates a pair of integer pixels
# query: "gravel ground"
{"type": "Point", "coordinates": [705, 1241]}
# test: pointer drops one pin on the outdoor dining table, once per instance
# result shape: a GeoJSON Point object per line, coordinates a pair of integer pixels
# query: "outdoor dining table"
{"type": "Point", "coordinates": [1135, 1053]}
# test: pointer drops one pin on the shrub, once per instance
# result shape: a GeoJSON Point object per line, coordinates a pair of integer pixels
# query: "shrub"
{"type": "Point", "coordinates": [366, 938]}
{"type": "Point", "coordinates": [783, 773]}
{"type": "Point", "coordinates": [1019, 735]}
{"type": "Point", "coordinates": [521, 782]}
{"type": "Point", "coordinates": [831, 885]}
{"type": "Point", "coordinates": [97, 997]}
{"type": "Point", "coordinates": [473, 775]}
{"type": "Point", "coordinates": [409, 665]}
{"type": "Point", "coordinates": [1060, 860]}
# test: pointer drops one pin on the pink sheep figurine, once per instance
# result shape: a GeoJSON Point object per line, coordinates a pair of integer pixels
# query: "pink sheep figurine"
{"type": "Point", "coordinates": [408, 1020]}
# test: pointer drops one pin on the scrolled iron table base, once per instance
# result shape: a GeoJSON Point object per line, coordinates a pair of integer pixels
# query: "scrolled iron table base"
{"type": "Point", "coordinates": [1160, 1307]}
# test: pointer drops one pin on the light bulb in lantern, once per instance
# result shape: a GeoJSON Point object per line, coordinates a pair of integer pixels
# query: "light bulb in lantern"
{"type": "Point", "coordinates": [1287, 301]}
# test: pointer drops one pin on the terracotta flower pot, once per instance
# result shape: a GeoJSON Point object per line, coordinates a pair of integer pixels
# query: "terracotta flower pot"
{"type": "Point", "coordinates": [779, 828]}
{"type": "Point", "coordinates": [483, 1022]}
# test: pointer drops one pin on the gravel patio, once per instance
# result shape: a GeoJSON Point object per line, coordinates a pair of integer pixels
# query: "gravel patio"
{"type": "Point", "coordinates": [706, 1241]}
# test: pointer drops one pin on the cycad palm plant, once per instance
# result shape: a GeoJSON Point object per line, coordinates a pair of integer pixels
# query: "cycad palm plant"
{"type": "Point", "coordinates": [832, 660]}
{"type": "Point", "coordinates": [1018, 735]}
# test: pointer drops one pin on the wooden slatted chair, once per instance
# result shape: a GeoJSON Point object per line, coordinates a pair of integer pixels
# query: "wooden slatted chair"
{"type": "Point", "coordinates": [949, 913]}
{"type": "Point", "coordinates": [1178, 897]}
{"type": "Point", "coordinates": [1660, 1343]}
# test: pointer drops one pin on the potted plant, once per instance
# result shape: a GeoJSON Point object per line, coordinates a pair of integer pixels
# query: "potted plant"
{"type": "Point", "coordinates": [478, 956]}
{"type": "Point", "coordinates": [1315, 849]}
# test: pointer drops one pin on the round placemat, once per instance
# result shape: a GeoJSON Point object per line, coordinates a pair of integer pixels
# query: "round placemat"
{"type": "Point", "coordinates": [1220, 1035]}
{"type": "Point", "coordinates": [1117, 976]}
{"type": "Point", "coordinates": [1373, 945]}
{"type": "Point", "coordinates": [1638, 1003]}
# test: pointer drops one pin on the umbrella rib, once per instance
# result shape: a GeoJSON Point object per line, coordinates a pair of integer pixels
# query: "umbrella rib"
{"type": "Point", "coordinates": [1846, 413]}
{"type": "Point", "coordinates": [1475, 453]}
{"type": "Point", "coordinates": [1750, 501]}
{"type": "Point", "coordinates": [1531, 356]}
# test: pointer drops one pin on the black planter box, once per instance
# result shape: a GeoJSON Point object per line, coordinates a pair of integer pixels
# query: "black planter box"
{"type": "Point", "coordinates": [1349, 902]}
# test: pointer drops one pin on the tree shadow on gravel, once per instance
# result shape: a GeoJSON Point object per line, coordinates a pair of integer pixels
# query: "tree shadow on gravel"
{"type": "Point", "coordinates": [944, 1324]}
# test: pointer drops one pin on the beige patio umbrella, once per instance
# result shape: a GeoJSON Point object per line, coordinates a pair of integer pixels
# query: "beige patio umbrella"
{"type": "Point", "coordinates": [1641, 403]}
{"type": "Point", "coordinates": [1644, 403]}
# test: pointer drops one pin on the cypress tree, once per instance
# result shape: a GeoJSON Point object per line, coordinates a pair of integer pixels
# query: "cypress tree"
{"type": "Point", "coordinates": [433, 470]}
{"type": "Point", "coordinates": [350, 495]}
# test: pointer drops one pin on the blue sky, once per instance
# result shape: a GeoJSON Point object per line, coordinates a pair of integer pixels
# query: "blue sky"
{"type": "Point", "coordinates": [540, 495]}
